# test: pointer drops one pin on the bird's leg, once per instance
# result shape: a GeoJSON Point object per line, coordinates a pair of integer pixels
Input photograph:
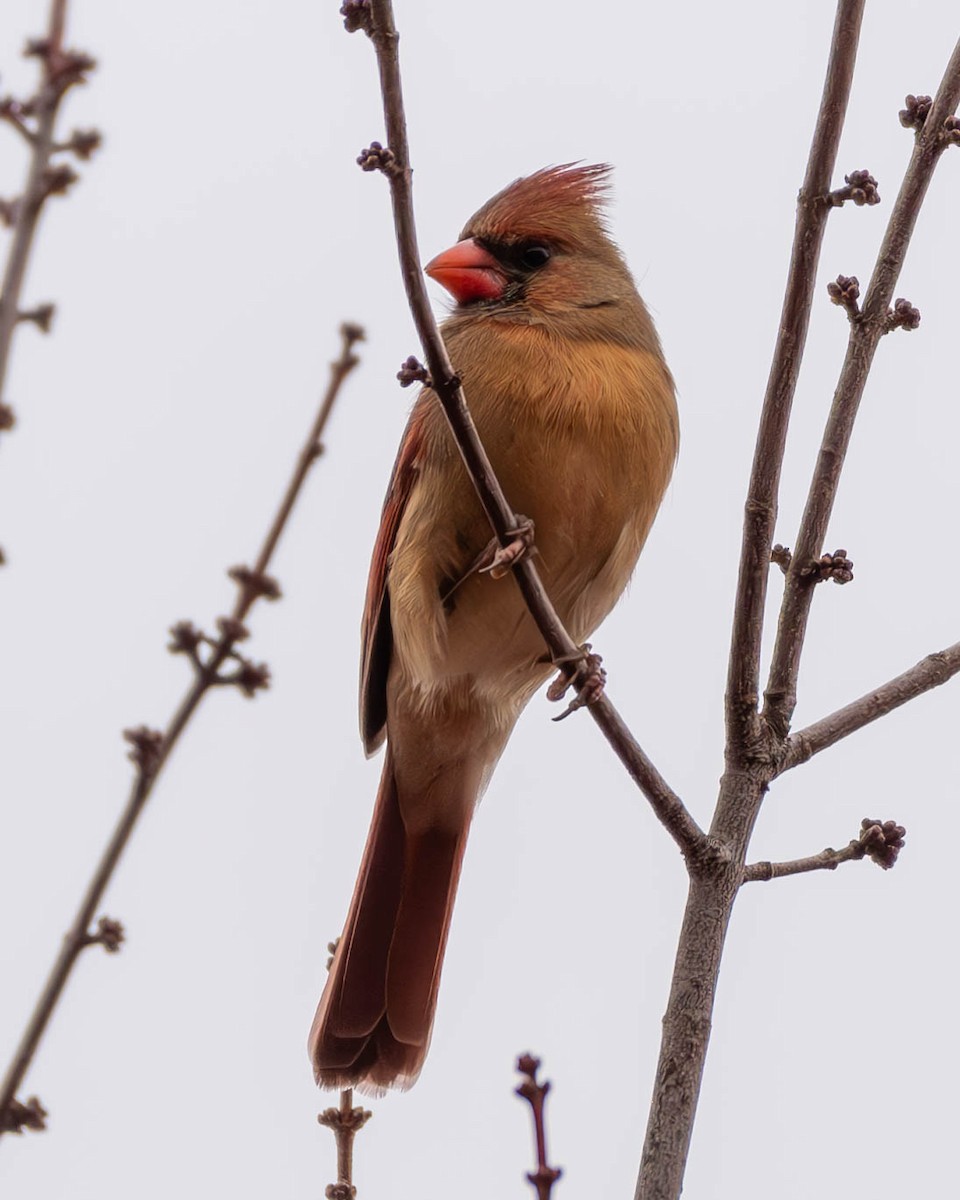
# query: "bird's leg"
{"type": "Point", "coordinates": [589, 678]}
{"type": "Point", "coordinates": [496, 560]}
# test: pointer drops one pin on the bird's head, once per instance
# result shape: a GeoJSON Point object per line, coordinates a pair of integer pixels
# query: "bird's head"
{"type": "Point", "coordinates": [540, 250]}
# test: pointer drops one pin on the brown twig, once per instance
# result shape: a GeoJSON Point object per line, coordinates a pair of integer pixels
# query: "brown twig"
{"type": "Point", "coordinates": [544, 1176]}
{"type": "Point", "coordinates": [865, 333]}
{"type": "Point", "coordinates": [35, 121]}
{"type": "Point", "coordinates": [744, 730]}
{"type": "Point", "coordinates": [151, 749]}
{"type": "Point", "coordinates": [826, 860]}
{"type": "Point", "coordinates": [376, 19]}
{"type": "Point", "coordinates": [930, 672]}
{"type": "Point", "coordinates": [880, 841]}
{"type": "Point", "coordinates": [345, 1122]}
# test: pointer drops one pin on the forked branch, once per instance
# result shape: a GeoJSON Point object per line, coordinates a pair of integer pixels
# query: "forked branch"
{"type": "Point", "coordinates": [760, 511]}
{"type": "Point", "coordinates": [543, 1177]}
{"type": "Point", "coordinates": [875, 318]}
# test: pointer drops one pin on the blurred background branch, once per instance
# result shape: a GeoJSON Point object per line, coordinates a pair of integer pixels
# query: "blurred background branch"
{"type": "Point", "coordinates": [35, 120]}
{"type": "Point", "coordinates": [209, 656]}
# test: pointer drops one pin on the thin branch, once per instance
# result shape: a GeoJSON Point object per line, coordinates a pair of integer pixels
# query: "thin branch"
{"type": "Point", "coordinates": [826, 860]}
{"type": "Point", "coordinates": [936, 669]}
{"type": "Point", "coordinates": [376, 18]}
{"type": "Point", "coordinates": [865, 333]}
{"type": "Point", "coordinates": [58, 18]}
{"type": "Point", "coordinates": [312, 449]}
{"type": "Point", "coordinates": [344, 1122]}
{"type": "Point", "coordinates": [151, 749]}
{"type": "Point", "coordinates": [61, 70]}
{"type": "Point", "coordinates": [760, 510]}
{"type": "Point", "coordinates": [880, 841]}
{"type": "Point", "coordinates": [544, 1176]}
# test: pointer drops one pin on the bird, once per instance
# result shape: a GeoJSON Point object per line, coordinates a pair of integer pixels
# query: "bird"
{"type": "Point", "coordinates": [568, 387]}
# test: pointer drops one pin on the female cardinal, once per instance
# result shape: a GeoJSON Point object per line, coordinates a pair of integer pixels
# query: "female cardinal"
{"type": "Point", "coordinates": [575, 406]}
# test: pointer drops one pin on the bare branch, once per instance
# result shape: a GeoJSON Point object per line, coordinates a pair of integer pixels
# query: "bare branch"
{"type": "Point", "coordinates": [826, 860]}
{"type": "Point", "coordinates": [760, 510]}
{"type": "Point", "coordinates": [880, 841]}
{"type": "Point", "coordinates": [535, 1093]}
{"type": "Point", "coordinates": [930, 672]}
{"type": "Point", "coordinates": [61, 70]}
{"type": "Point", "coordinates": [376, 19]}
{"type": "Point", "coordinates": [865, 334]}
{"type": "Point", "coordinates": [151, 749]}
{"type": "Point", "coordinates": [312, 449]}
{"type": "Point", "coordinates": [344, 1122]}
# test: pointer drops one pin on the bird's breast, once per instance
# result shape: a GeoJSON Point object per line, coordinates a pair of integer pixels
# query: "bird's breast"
{"type": "Point", "coordinates": [583, 439]}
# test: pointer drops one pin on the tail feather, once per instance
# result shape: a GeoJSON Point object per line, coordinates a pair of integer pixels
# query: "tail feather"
{"type": "Point", "coordinates": [431, 874]}
{"type": "Point", "coordinates": [357, 984]}
{"type": "Point", "coordinates": [373, 1023]}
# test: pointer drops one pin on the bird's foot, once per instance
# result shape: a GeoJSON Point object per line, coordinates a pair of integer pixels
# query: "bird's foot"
{"type": "Point", "coordinates": [589, 679]}
{"type": "Point", "coordinates": [496, 561]}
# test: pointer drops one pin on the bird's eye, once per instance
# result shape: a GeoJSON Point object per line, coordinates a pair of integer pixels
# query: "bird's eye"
{"type": "Point", "coordinates": [534, 256]}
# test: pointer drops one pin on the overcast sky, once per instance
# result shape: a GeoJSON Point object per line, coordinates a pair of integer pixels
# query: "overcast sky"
{"type": "Point", "coordinates": [200, 270]}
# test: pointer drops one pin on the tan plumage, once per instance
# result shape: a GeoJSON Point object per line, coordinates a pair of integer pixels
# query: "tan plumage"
{"type": "Point", "coordinates": [572, 399]}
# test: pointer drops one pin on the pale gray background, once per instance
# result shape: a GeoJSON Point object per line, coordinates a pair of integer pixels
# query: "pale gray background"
{"type": "Point", "coordinates": [201, 270]}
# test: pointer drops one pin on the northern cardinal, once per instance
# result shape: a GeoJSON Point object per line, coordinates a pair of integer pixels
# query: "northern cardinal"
{"type": "Point", "coordinates": [575, 406]}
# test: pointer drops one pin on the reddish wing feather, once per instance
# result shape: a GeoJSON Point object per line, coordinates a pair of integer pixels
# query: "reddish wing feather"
{"type": "Point", "coordinates": [376, 636]}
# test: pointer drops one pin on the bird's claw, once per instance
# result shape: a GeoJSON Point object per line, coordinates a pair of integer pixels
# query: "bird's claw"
{"type": "Point", "coordinates": [497, 560]}
{"type": "Point", "coordinates": [589, 679]}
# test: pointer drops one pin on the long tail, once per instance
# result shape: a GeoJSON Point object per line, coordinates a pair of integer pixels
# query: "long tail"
{"type": "Point", "coordinates": [372, 1027]}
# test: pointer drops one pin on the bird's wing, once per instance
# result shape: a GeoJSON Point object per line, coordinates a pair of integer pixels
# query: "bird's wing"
{"type": "Point", "coordinates": [376, 636]}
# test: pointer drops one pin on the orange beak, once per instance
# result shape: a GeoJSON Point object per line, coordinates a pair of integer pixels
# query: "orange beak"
{"type": "Point", "coordinates": [468, 272]}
